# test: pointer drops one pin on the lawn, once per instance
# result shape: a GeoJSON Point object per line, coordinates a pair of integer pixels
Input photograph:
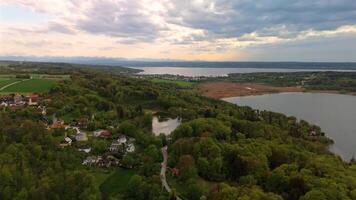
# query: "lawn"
{"type": "Point", "coordinates": [116, 182]}
{"type": "Point", "coordinates": [180, 83]}
{"type": "Point", "coordinates": [6, 81]}
{"type": "Point", "coordinates": [30, 86]}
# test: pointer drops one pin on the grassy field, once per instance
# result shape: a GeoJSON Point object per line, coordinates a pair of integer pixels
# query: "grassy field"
{"type": "Point", "coordinates": [6, 81]}
{"type": "Point", "coordinates": [29, 86]}
{"type": "Point", "coordinates": [37, 84]}
{"type": "Point", "coordinates": [180, 83]}
{"type": "Point", "coordinates": [116, 182]}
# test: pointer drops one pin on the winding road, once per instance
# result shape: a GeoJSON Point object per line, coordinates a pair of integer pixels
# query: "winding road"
{"type": "Point", "coordinates": [164, 169]}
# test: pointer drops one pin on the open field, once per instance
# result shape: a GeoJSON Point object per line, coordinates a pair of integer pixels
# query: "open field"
{"type": "Point", "coordinates": [38, 82]}
{"type": "Point", "coordinates": [28, 86]}
{"type": "Point", "coordinates": [221, 89]}
{"type": "Point", "coordinates": [117, 182]}
{"type": "Point", "coordinates": [177, 82]}
{"type": "Point", "coordinates": [5, 81]}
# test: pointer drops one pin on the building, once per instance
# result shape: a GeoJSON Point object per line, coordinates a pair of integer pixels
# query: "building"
{"type": "Point", "coordinates": [102, 133]}
{"type": "Point", "coordinates": [81, 136]}
{"type": "Point", "coordinates": [85, 149]}
{"type": "Point", "coordinates": [130, 148]}
{"type": "Point", "coordinates": [91, 160]}
{"type": "Point", "coordinates": [33, 100]}
{"type": "Point", "coordinates": [57, 124]}
{"type": "Point", "coordinates": [83, 122]}
{"type": "Point", "coordinates": [68, 140]}
{"type": "Point", "coordinates": [18, 99]}
{"type": "Point", "coordinates": [115, 146]}
{"type": "Point", "coordinates": [122, 139]}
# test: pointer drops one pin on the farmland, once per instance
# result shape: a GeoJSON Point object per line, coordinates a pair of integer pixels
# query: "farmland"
{"type": "Point", "coordinates": [5, 81]}
{"type": "Point", "coordinates": [38, 83]}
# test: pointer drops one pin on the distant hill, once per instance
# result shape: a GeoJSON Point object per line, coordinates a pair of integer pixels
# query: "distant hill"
{"type": "Point", "coordinates": [177, 63]}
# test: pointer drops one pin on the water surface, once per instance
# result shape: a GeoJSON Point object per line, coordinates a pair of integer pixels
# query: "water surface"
{"type": "Point", "coordinates": [334, 113]}
{"type": "Point", "coordinates": [166, 126]}
{"type": "Point", "coordinates": [218, 71]}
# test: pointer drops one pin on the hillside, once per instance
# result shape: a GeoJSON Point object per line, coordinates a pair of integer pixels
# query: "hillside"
{"type": "Point", "coordinates": [220, 151]}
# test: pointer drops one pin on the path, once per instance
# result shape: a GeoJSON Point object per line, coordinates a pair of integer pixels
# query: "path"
{"type": "Point", "coordinates": [164, 169]}
{"type": "Point", "coordinates": [11, 84]}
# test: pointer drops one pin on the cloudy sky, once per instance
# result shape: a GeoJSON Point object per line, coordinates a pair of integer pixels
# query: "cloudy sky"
{"type": "Point", "coordinates": [240, 30]}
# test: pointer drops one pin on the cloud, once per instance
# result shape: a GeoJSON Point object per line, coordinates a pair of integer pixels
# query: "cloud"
{"type": "Point", "coordinates": [125, 18]}
{"type": "Point", "coordinates": [211, 26]}
{"type": "Point", "coordinates": [280, 18]}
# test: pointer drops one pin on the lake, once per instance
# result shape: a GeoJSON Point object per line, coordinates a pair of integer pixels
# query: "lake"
{"type": "Point", "coordinates": [217, 71]}
{"type": "Point", "coordinates": [165, 126]}
{"type": "Point", "coordinates": [334, 113]}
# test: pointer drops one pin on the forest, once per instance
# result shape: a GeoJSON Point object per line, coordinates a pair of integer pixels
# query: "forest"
{"type": "Point", "coordinates": [220, 151]}
{"type": "Point", "coordinates": [344, 82]}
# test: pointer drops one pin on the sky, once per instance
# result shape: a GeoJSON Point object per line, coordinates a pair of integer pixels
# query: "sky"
{"type": "Point", "coordinates": [209, 30]}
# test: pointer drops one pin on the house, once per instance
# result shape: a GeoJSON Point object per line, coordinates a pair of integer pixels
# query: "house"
{"type": "Point", "coordinates": [115, 146]}
{"type": "Point", "coordinates": [42, 110]}
{"type": "Point", "coordinates": [68, 140]}
{"type": "Point", "coordinates": [91, 160]}
{"type": "Point", "coordinates": [83, 122]}
{"type": "Point", "coordinates": [108, 161]}
{"type": "Point", "coordinates": [122, 139]}
{"type": "Point", "coordinates": [57, 124]}
{"type": "Point", "coordinates": [130, 148]}
{"type": "Point", "coordinates": [102, 133]}
{"type": "Point", "coordinates": [33, 100]}
{"type": "Point", "coordinates": [18, 99]}
{"type": "Point", "coordinates": [85, 149]}
{"type": "Point", "coordinates": [81, 136]}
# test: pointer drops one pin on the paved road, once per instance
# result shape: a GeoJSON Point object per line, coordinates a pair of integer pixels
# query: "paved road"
{"type": "Point", "coordinates": [164, 169]}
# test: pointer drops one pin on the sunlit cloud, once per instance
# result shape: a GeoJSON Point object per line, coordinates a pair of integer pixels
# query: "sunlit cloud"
{"type": "Point", "coordinates": [175, 29]}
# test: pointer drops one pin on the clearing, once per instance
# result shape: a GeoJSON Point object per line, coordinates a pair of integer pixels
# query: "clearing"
{"type": "Point", "coordinates": [117, 181]}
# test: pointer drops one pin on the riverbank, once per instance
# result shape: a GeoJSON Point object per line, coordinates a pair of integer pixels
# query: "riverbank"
{"type": "Point", "coordinates": [224, 89]}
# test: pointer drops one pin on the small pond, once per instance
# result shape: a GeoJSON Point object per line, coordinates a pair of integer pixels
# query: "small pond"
{"type": "Point", "coordinates": [164, 125]}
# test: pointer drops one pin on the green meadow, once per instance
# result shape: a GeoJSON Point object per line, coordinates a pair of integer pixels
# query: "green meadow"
{"type": "Point", "coordinates": [30, 85]}
{"type": "Point", "coordinates": [6, 81]}
{"type": "Point", "coordinates": [37, 84]}
{"type": "Point", "coordinates": [117, 181]}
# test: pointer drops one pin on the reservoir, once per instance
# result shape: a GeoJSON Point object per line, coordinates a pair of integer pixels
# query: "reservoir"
{"type": "Point", "coordinates": [334, 113]}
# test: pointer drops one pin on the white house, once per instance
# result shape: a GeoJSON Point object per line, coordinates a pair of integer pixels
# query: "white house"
{"type": "Point", "coordinates": [122, 139]}
{"type": "Point", "coordinates": [85, 149]}
{"type": "Point", "coordinates": [130, 148]}
{"type": "Point", "coordinates": [68, 140]}
{"type": "Point", "coordinates": [90, 160]}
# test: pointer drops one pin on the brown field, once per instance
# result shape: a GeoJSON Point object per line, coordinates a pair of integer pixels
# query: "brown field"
{"type": "Point", "coordinates": [220, 90]}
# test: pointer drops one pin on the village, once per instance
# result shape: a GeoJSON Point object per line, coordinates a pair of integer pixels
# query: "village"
{"type": "Point", "coordinates": [75, 134]}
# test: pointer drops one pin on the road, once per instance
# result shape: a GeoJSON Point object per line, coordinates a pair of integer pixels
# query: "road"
{"type": "Point", "coordinates": [164, 169]}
